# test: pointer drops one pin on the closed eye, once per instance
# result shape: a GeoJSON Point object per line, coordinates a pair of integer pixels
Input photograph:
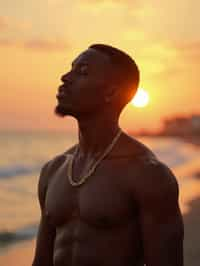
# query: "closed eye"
{"type": "Point", "coordinates": [84, 70]}
{"type": "Point", "coordinates": [80, 69]}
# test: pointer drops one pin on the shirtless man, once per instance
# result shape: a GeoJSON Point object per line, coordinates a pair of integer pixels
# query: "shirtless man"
{"type": "Point", "coordinates": [124, 212]}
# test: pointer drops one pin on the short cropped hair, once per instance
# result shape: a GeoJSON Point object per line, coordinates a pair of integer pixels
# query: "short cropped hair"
{"type": "Point", "coordinates": [126, 71]}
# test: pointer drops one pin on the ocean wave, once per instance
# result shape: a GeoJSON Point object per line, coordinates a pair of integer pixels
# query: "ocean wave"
{"type": "Point", "coordinates": [168, 155]}
{"type": "Point", "coordinates": [175, 156]}
{"type": "Point", "coordinates": [7, 238]}
{"type": "Point", "coordinates": [18, 169]}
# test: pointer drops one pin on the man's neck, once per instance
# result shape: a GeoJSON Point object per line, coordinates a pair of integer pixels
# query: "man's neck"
{"type": "Point", "coordinates": [96, 133]}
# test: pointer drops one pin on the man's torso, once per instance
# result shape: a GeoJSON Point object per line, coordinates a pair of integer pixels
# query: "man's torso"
{"type": "Point", "coordinates": [98, 223]}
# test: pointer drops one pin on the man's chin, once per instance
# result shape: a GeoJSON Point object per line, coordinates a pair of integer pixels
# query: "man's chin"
{"type": "Point", "coordinates": [61, 111]}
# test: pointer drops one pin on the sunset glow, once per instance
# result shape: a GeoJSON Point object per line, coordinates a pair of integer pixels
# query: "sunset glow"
{"type": "Point", "coordinates": [36, 48]}
{"type": "Point", "coordinates": [141, 98]}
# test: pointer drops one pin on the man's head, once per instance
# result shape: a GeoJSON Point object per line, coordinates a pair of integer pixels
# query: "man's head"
{"type": "Point", "coordinates": [102, 77]}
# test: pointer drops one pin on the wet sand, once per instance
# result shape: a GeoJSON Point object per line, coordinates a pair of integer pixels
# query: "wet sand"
{"type": "Point", "coordinates": [192, 235]}
{"type": "Point", "coordinates": [19, 254]}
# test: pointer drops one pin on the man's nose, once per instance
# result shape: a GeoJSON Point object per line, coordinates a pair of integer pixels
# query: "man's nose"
{"type": "Point", "coordinates": [66, 78]}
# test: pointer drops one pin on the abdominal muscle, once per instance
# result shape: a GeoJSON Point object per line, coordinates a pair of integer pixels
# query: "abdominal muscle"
{"type": "Point", "coordinates": [80, 244]}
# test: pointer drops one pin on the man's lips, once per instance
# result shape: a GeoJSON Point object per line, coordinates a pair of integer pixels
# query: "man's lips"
{"type": "Point", "coordinates": [61, 92]}
{"type": "Point", "coordinates": [60, 95]}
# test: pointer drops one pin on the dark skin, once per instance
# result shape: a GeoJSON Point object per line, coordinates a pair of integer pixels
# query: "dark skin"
{"type": "Point", "coordinates": [127, 211]}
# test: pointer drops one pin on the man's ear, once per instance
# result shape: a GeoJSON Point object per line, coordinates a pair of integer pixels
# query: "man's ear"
{"type": "Point", "coordinates": [112, 93]}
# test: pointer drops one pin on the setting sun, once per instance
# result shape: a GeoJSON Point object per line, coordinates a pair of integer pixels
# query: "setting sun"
{"type": "Point", "coordinates": [141, 99]}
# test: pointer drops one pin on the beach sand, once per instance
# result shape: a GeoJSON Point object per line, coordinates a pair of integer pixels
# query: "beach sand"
{"type": "Point", "coordinates": [192, 235]}
{"type": "Point", "coordinates": [19, 255]}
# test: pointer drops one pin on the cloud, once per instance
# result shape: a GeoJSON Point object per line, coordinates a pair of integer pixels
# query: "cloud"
{"type": "Point", "coordinates": [3, 23]}
{"type": "Point", "coordinates": [46, 45]}
{"type": "Point", "coordinates": [14, 24]}
{"type": "Point", "coordinates": [36, 44]}
{"type": "Point", "coordinates": [5, 42]}
{"type": "Point", "coordinates": [187, 56]}
{"type": "Point", "coordinates": [189, 49]}
{"type": "Point", "coordinates": [114, 2]}
{"type": "Point", "coordinates": [184, 60]}
{"type": "Point", "coordinates": [99, 5]}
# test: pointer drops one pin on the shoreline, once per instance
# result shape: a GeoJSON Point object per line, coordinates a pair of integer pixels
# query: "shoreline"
{"type": "Point", "coordinates": [22, 253]}
{"type": "Point", "coordinates": [190, 139]}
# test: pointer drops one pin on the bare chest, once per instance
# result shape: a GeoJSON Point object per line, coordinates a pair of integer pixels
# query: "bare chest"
{"type": "Point", "coordinates": [101, 200]}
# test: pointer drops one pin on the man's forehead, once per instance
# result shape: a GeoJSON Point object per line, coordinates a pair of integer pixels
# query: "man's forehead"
{"type": "Point", "coordinates": [92, 57]}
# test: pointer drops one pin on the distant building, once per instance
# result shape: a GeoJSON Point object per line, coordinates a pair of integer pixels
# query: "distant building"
{"type": "Point", "coordinates": [195, 120]}
{"type": "Point", "coordinates": [184, 126]}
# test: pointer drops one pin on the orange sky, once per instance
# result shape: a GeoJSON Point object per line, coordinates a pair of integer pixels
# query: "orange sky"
{"type": "Point", "coordinates": [39, 39]}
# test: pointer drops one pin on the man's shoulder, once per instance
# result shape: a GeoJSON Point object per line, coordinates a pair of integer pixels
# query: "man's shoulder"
{"type": "Point", "coordinates": [145, 159]}
{"type": "Point", "coordinates": [148, 174]}
{"type": "Point", "coordinates": [136, 150]}
{"type": "Point", "coordinates": [55, 162]}
{"type": "Point", "coordinates": [61, 156]}
{"type": "Point", "coordinates": [47, 171]}
{"type": "Point", "coordinates": [155, 182]}
{"type": "Point", "coordinates": [154, 171]}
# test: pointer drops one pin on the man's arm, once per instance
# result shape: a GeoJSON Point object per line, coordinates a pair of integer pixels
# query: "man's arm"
{"type": "Point", "coordinates": [46, 232]}
{"type": "Point", "coordinates": [160, 217]}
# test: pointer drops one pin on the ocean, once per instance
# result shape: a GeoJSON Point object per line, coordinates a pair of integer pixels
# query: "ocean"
{"type": "Point", "coordinates": [22, 156]}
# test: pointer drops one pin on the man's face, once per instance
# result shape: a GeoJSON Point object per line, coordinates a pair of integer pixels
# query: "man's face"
{"type": "Point", "coordinates": [83, 89]}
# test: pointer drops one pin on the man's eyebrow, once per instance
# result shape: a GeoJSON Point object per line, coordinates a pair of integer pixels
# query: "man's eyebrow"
{"type": "Point", "coordinates": [80, 64]}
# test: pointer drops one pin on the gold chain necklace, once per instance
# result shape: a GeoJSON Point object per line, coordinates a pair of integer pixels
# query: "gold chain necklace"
{"type": "Point", "coordinates": [93, 168]}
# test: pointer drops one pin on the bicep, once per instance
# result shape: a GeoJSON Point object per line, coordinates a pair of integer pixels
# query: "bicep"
{"type": "Point", "coordinates": [161, 222]}
{"type": "Point", "coordinates": [42, 185]}
{"type": "Point", "coordinates": [46, 231]}
{"type": "Point", "coordinates": [162, 238]}
{"type": "Point", "coordinates": [44, 243]}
